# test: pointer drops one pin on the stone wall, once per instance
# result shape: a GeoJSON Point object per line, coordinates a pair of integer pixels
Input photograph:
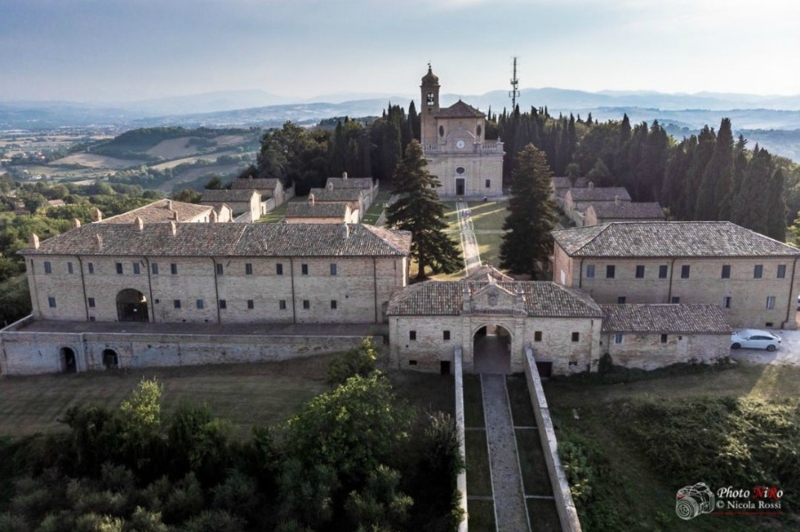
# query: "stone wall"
{"type": "Point", "coordinates": [477, 169]}
{"type": "Point", "coordinates": [461, 481]}
{"type": "Point", "coordinates": [647, 351]}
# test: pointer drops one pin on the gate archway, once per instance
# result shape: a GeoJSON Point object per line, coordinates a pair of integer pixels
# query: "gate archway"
{"type": "Point", "coordinates": [110, 359]}
{"type": "Point", "coordinates": [132, 306]}
{"type": "Point", "coordinates": [68, 361]}
{"type": "Point", "coordinates": [491, 349]}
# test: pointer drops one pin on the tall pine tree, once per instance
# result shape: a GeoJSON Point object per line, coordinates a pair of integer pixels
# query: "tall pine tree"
{"type": "Point", "coordinates": [419, 211]}
{"type": "Point", "coordinates": [527, 242]}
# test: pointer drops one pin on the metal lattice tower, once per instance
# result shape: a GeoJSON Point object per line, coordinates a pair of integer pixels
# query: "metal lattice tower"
{"type": "Point", "coordinates": [514, 92]}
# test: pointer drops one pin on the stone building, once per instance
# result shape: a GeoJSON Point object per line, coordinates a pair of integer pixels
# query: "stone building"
{"type": "Point", "coordinates": [577, 200]}
{"type": "Point", "coordinates": [623, 211]}
{"type": "Point", "coordinates": [241, 202]}
{"type": "Point", "coordinates": [365, 184]}
{"type": "Point", "coordinates": [319, 213]}
{"type": "Point", "coordinates": [167, 210]}
{"type": "Point", "coordinates": [354, 198]}
{"type": "Point", "coordinates": [455, 146]}
{"type": "Point", "coordinates": [753, 278]}
{"type": "Point", "coordinates": [268, 188]}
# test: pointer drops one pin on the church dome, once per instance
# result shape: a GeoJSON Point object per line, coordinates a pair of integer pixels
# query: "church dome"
{"type": "Point", "coordinates": [430, 78]}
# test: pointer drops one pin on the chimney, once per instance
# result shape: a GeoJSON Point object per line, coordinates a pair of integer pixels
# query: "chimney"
{"type": "Point", "coordinates": [591, 185]}
{"type": "Point", "coordinates": [98, 216]}
{"type": "Point", "coordinates": [138, 223]}
{"type": "Point", "coordinates": [173, 228]}
{"type": "Point", "coordinates": [76, 223]}
{"type": "Point", "coordinates": [616, 200]}
{"type": "Point", "coordinates": [99, 239]}
{"type": "Point", "coordinates": [174, 215]}
{"type": "Point", "coordinates": [34, 241]}
{"type": "Point", "coordinates": [311, 198]}
{"type": "Point", "coordinates": [213, 218]}
{"type": "Point", "coordinates": [346, 230]}
{"type": "Point", "coordinates": [344, 175]}
{"type": "Point", "coordinates": [169, 204]}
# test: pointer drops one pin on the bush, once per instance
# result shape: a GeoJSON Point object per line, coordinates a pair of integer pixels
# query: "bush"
{"type": "Point", "coordinates": [358, 361]}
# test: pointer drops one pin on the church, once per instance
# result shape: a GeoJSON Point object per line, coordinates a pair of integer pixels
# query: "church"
{"type": "Point", "coordinates": [453, 139]}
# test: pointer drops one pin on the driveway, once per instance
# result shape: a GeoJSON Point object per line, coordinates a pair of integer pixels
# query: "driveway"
{"type": "Point", "coordinates": [788, 354]}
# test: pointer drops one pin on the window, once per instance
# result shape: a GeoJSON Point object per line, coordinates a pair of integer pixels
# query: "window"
{"type": "Point", "coordinates": [154, 268]}
{"type": "Point", "coordinates": [610, 271]}
{"type": "Point", "coordinates": [590, 271]}
{"type": "Point", "coordinates": [640, 271]}
{"type": "Point", "coordinates": [282, 304]}
{"type": "Point", "coordinates": [412, 335]}
{"type": "Point", "coordinates": [279, 269]}
{"type": "Point", "coordinates": [90, 267]}
{"type": "Point", "coordinates": [726, 302]}
{"type": "Point", "coordinates": [176, 303]}
{"type": "Point", "coordinates": [537, 336]}
{"type": "Point", "coordinates": [220, 269]}
{"type": "Point", "coordinates": [758, 271]}
{"type": "Point", "coordinates": [770, 302]}
{"type": "Point", "coordinates": [173, 269]}
{"type": "Point", "coordinates": [250, 304]}
{"type": "Point", "coordinates": [91, 302]}
{"type": "Point", "coordinates": [460, 170]}
{"type": "Point", "coordinates": [621, 300]}
{"type": "Point", "coordinates": [675, 300]}
{"type": "Point", "coordinates": [69, 268]}
{"type": "Point", "coordinates": [119, 268]}
{"type": "Point", "coordinates": [248, 269]}
{"type": "Point", "coordinates": [576, 337]}
{"type": "Point", "coordinates": [304, 269]}
{"type": "Point", "coordinates": [412, 362]}
{"type": "Point", "coordinates": [200, 304]}
{"type": "Point", "coordinates": [223, 304]}
{"type": "Point", "coordinates": [781, 271]}
{"type": "Point", "coordinates": [306, 304]}
{"type": "Point", "coordinates": [52, 302]}
{"type": "Point", "coordinates": [663, 338]}
{"type": "Point", "coordinates": [333, 269]}
{"type": "Point", "coordinates": [333, 304]}
{"type": "Point", "coordinates": [662, 271]}
{"type": "Point", "coordinates": [136, 269]}
{"type": "Point", "coordinates": [726, 271]}
{"type": "Point", "coordinates": [445, 335]}
{"type": "Point", "coordinates": [488, 183]}
{"type": "Point", "coordinates": [48, 268]}
{"type": "Point", "coordinates": [618, 338]}
{"type": "Point", "coordinates": [685, 269]}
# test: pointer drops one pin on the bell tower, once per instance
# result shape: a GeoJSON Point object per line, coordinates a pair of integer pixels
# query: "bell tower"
{"type": "Point", "coordinates": [429, 104]}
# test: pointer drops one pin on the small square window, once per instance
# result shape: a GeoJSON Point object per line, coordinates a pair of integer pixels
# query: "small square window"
{"type": "Point", "coordinates": [304, 269]}
{"type": "Point", "coordinates": [279, 269]}
{"type": "Point", "coordinates": [685, 271]}
{"type": "Point", "coordinates": [621, 300]}
{"type": "Point", "coordinates": [334, 269]}
{"type": "Point", "coordinates": [306, 304]}
{"type": "Point", "coordinates": [91, 318]}
{"type": "Point", "coordinates": [250, 304]}
{"type": "Point", "coordinates": [90, 267]}
{"type": "Point", "coordinates": [726, 271]}
{"type": "Point", "coordinates": [70, 269]}
{"type": "Point", "coordinates": [770, 302]}
{"type": "Point", "coordinates": [136, 268]}
{"type": "Point", "coordinates": [576, 337]}
{"type": "Point", "coordinates": [412, 362]}
{"type": "Point", "coordinates": [445, 335]}
{"type": "Point", "coordinates": [663, 338]}
{"type": "Point", "coordinates": [176, 303]}
{"type": "Point", "coordinates": [640, 272]}
{"type": "Point", "coordinates": [610, 271]}
{"type": "Point", "coordinates": [220, 269]}
{"type": "Point", "coordinates": [412, 335]}
{"type": "Point", "coordinates": [200, 304]}
{"type": "Point", "coordinates": [590, 271]}
{"type": "Point", "coordinates": [173, 269]}
{"type": "Point", "coordinates": [282, 304]}
{"type": "Point", "coordinates": [223, 304]}
{"type": "Point", "coordinates": [662, 271]}
{"type": "Point", "coordinates": [758, 271]}
{"type": "Point", "coordinates": [51, 301]}
{"type": "Point", "coordinates": [248, 269]}
{"type": "Point", "coordinates": [154, 268]}
{"type": "Point", "coordinates": [675, 300]}
{"type": "Point", "coordinates": [726, 302]}
{"type": "Point", "coordinates": [618, 338]}
{"type": "Point", "coordinates": [488, 183]}
{"type": "Point", "coordinates": [333, 304]}
{"type": "Point", "coordinates": [91, 302]}
{"type": "Point", "coordinates": [48, 268]}
{"type": "Point", "coordinates": [781, 271]}
{"type": "Point", "coordinates": [119, 268]}
{"type": "Point", "coordinates": [537, 336]}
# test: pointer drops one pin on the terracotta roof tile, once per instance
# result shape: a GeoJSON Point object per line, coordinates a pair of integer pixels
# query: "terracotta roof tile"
{"type": "Point", "coordinates": [344, 194]}
{"type": "Point", "coordinates": [318, 210]}
{"type": "Point", "coordinates": [254, 183]}
{"type": "Point", "coordinates": [629, 210]}
{"type": "Point", "coordinates": [687, 319]}
{"type": "Point", "coordinates": [460, 110]}
{"type": "Point", "coordinates": [364, 183]}
{"type": "Point", "coordinates": [161, 211]}
{"type": "Point", "coordinates": [600, 194]}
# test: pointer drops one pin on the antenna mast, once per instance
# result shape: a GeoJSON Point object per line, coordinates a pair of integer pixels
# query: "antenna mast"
{"type": "Point", "coordinates": [514, 92]}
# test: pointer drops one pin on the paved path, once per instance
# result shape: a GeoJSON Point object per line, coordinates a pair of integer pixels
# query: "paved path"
{"type": "Point", "coordinates": [509, 503]}
{"type": "Point", "coordinates": [469, 245]}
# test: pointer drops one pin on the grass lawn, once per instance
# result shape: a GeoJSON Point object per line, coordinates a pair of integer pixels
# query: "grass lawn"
{"type": "Point", "coordinates": [473, 402]}
{"type": "Point", "coordinates": [479, 477]}
{"type": "Point", "coordinates": [543, 515]}
{"type": "Point", "coordinates": [488, 215]}
{"type": "Point", "coordinates": [375, 210]}
{"type": "Point", "coordinates": [520, 401]}
{"type": "Point", "coordinates": [481, 516]}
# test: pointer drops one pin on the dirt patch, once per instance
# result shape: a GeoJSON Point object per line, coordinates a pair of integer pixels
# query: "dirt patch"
{"type": "Point", "coordinates": [91, 160]}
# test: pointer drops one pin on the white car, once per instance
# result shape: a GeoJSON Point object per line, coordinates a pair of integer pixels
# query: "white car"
{"type": "Point", "coordinates": [755, 339]}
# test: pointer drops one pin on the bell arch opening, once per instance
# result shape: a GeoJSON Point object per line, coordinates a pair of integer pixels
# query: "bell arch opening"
{"type": "Point", "coordinates": [491, 349]}
{"type": "Point", "coordinates": [132, 306]}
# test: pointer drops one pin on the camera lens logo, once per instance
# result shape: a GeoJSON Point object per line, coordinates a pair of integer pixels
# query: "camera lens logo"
{"type": "Point", "coordinates": [692, 501]}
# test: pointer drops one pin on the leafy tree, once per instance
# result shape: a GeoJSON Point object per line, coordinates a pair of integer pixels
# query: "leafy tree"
{"type": "Point", "coordinates": [356, 361]}
{"type": "Point", "coordinates": [187, 195]}
{"type": "Point", "coordinates": [527, 241]}
{"type": "Point", "coordinates": [215, 183]}
{"type": "Point", "coordinates": [419, 211]}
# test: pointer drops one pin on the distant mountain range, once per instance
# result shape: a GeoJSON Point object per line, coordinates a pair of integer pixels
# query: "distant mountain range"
{"type": "Point", "coordinates": [682, 112]}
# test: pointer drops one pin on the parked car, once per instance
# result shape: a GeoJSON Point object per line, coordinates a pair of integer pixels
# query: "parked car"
{"type": "Point", "coordinates": [755, 339]}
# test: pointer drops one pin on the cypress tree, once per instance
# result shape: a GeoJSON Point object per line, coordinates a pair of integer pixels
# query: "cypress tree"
{"type": "Point", "coordinates": [751, 205]}
{"type": "Point", "coordinates": [419, 211]}
{"type": "Point", "coordinates": [722, 164]}
{"type": "Point", "coordinates": [776, 211]}
{"type": "Point", "coordinates": [625, 129]}
{"type": "Point", "coordinates": [527, 242]}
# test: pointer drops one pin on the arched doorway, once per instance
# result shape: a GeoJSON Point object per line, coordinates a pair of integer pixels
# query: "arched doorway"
{"type": "Point", "coordinates": [491, 350]}
{"type": "Point", "coordinates": [110, 359]}
{"type": "Point", "coordinates": [68, 362]}
{"type": "Point", "coordinates": [131, 306]}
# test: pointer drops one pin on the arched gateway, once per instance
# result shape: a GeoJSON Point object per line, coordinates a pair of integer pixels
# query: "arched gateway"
{"type": "Point", "coordinates": [132, 306]}
{"type": "Point", "coordinates": [491, 349]}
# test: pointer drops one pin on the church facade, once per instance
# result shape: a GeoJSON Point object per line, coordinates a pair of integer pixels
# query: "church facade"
{"type": "Point", "coordinates": [455, 146]}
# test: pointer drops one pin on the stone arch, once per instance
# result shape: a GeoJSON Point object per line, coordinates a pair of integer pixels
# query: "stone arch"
{"type": "Point", "coordinates": [491, 349]}
{"type": "Point", "coordinates": [132, 306]}
{"type": "Point", "coordinates": [110, 359]}
{"type": "Point", "coordinates": [68, 359]}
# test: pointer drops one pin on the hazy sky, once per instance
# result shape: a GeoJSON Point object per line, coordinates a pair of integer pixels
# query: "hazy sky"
{"type": "Point", "coordinates": [107, 50]}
